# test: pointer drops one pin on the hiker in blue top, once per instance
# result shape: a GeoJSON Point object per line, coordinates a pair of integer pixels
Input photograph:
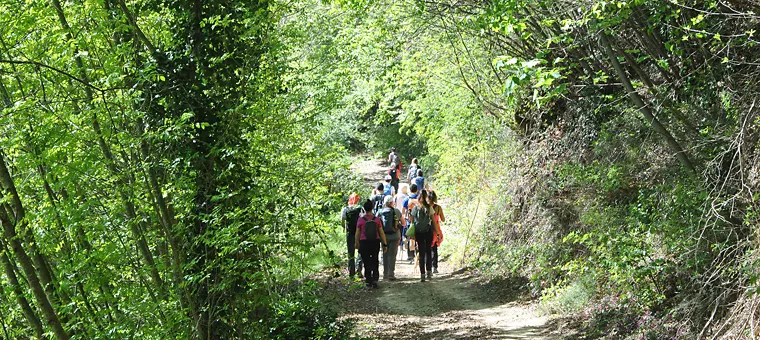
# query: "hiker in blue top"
{"type": "Point", "coordinates": [419, 180]}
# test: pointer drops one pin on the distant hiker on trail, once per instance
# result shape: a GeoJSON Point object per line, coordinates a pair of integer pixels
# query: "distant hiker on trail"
{"type": "Point", "coordinates": [349, 216]}
{"type": "Point", "coordinates": [369, 230]}
{"type": "Point", "coordinates": [438, 218]}
{"type": "Point", "coordinates": [393, 174]}
{"type": "Point", "coordinates": [413, 170]}
{"type": "Point", "coordinates": [409, 204]}
{"type": "Point", "coordinates": [395, 158]}
{"type": "Point", "coordinates": [388, 188]}
{"type": "Point", "coordinates": [377, 197]}
{"type": "Point", "coordinates": [398, 203]}
{"type": "Point", "coordinates": [419, 180]}
{"type": "Point", "coordinates": [422, 214]}
{"type": "Point", "coordinates": [391, 218]}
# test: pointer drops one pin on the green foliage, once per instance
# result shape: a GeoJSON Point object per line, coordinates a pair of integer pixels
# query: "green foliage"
{"type": "Point", "coordinates": [304, 314]}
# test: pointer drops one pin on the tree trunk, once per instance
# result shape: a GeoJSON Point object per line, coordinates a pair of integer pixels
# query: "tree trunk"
{"type": "Point", "coordinates": [638, 101]}
{"type": "Point", "coordinates": [9, 231]}
{"type": "Point", "coordinates": [26, 309]}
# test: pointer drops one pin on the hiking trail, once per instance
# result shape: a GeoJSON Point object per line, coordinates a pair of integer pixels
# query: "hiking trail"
{"type": "Point", "coordinates": [453, 305]}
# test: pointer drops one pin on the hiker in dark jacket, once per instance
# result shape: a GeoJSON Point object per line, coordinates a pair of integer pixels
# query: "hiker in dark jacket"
{"type": "Point", "coordinates": [350, 216]}
{"type": "Point", "coordinates": [367, 241]}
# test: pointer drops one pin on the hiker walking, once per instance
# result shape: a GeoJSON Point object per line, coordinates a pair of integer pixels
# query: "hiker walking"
{"type": "Point", "coordinates": [419, 180]}
{"type": "Point", "coordinates": [422, 214]}
{"type": "Point", "coordinates": [438, 218]}
{"type": "Point", "coordinates": [369, 235]}
{"type": "Point", "coordinates": [393, 175]}
{"type": "Point", "coordinates": [378, 194]}
{"type": "Point", "coordinates": [350, 216]}
{"type": "Point", "coordinates": [409, 204]}
{"type": "Point", "coordinates": [395, 158]}
{"type": "Point", "coordinates": [413, 170]}
{"type": "Point", "coordinates": [398, 203]}
{"type": "Point", "coordinates": [391, 218]}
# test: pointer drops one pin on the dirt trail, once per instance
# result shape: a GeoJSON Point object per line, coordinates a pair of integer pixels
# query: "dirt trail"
{"type": "Point", "coordinates": [452, 305]}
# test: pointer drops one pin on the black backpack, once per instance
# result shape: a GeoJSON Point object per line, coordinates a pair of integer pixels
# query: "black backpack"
{"type": "Point", "coordinates": [378, 199]}
{"type": "Point", "coordinates": [422, 221]}
{"type": "Point", "coordinates": [393, 175]}
{"type": "Point", "coordinates": [370, 229]}
{"type": "Point", "coordinates": [352, 216]}
{"type": "Point", "coordinates": [388, 217]}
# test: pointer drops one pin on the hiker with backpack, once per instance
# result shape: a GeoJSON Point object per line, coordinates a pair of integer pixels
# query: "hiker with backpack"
{"type": "Point", "coordinates": [388, 188]}
{"type": "Point", "coordinates": [438, 218]}
{"type": "Point", "coordinates": [391, 218]}
{"type": "Point", "coordinates": [413, 170]}
{"type": "Point", "coordinates": [393, 175]}
{"type": "Point", "coordinates": [424, 229]}
{"type": "Point", "coordinates": [419, 180]}
{"type": "Point", "coordinates": [409, 204]}
{"type": "Point", "coordinates": [350, 216]}
{"type": "Point", "coordinates": [395, 158]}
{"type": "Point", "coordinates": [378, 194]}
{"type": "Point", "coordinates": [369, 231]}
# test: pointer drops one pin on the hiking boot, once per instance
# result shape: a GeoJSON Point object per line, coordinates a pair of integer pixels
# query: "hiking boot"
{"type": "Point", "coordinates": [435, 270]}
{"type": "Point", "coordinates": [422, 277]}
{"type": "Point", "coordinates": [429, 275]}
{"type": "Point", "coordinates": [368, 285]}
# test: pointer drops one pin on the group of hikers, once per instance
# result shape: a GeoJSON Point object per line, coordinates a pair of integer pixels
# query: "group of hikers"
{"type": "Point", "coordinates": [395, 215]}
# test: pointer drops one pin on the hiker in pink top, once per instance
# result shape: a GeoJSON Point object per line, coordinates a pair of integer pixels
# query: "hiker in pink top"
{"type": "Point", "coordinates": [369, 230]}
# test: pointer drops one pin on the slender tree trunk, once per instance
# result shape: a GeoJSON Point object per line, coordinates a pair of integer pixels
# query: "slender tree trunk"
{"type": "Point", "coordinates": [131, 214]}
{"type": "Point", "coordinates": [9, 231]}
{"type": "Point", "coordinates": [26, 309]}
{"type": "Point", "coordinates": [636, 99]}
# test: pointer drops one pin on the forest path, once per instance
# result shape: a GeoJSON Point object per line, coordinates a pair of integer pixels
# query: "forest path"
{"type": "Point", "coordinates": [452, 305]}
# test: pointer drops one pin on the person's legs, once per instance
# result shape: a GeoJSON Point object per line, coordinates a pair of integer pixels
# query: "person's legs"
{"type": "Point", "coordinates": [434, 251]}
{"type": "Point", "coordinates": [366, 253]}
{"type": "Point", "coordinates": [426, 259]}
{"type": "Point", "coordinates": [375, 272]}
{"type": "Point", "coordinates": [423, 244]}
{"type": "Point", "coordinates": [429, 256]}
{"type": "Point", "coordinates": [386, 262]}
{"type": "Point", "coordinates": [350, 240]}
{"type": "Point", "coordinates": [390, 261]}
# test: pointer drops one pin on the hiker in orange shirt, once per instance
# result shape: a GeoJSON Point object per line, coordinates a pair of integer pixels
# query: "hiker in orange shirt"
{"type": "Point", "coordinates": [438, 218]}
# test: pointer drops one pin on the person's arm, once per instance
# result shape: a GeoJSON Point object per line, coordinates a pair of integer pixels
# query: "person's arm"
{"type": "Point", "coordinates": [382, 233]}
{"type": "Point", "coordinates": [356, 237]}
{"type": "Point", "coordinates": [440, 213]}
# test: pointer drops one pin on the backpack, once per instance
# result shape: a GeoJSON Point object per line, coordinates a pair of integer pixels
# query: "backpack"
{"type": "Point", "coordinates": [352, 216]}
{"type": "Point", "coordinates": [393, 174]}
{"type": "Point", "coordinates": [422, 220]}
{"type": "Point", "coordinates": [420, 181]}
{"type": "Point", "coordinates": [395, 158]}
{"type": "Point", "coordinates": [370, 229]}
{"type": "Point", "coordinates": [387, 191]}
{"type": "Point", "coordinates": [413, 171]}
{"type": "Point", "coordinates": [378, 199]}
{"type": "Point", "coordinates": [388, 217]}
